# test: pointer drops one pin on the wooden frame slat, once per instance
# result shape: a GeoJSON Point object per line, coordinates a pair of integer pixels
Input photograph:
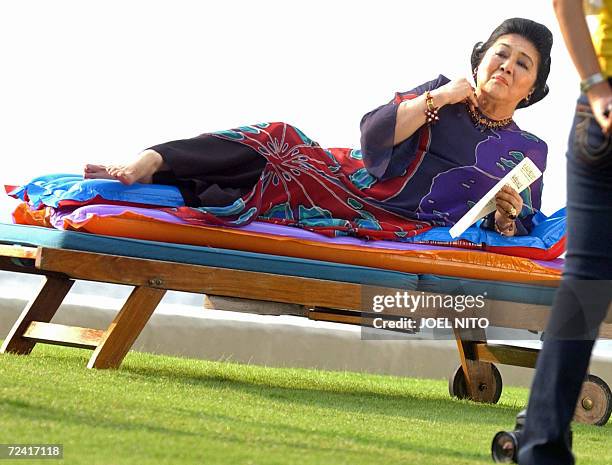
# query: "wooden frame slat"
{"type": "Point", "coordinates": [18, 251]}
{"type": "Point", "coordinates": [200, 279]}
{"type": "Point", "coordinates": [71, 336]}
{"type": "Point", "coordinates": [507, 355]}
{"type": "Point", "coordinates": [334, 318]}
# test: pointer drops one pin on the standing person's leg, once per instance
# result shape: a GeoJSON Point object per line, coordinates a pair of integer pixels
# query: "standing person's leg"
{"type": "Point", "coordinates": [582, 300]}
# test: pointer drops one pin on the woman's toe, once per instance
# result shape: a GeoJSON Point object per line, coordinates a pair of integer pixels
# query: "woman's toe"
{"type": "Point", "coordinates": [94, 168]}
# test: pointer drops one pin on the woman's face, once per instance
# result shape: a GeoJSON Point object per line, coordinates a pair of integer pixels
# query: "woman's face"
{"type": "Point", "coordinates": [508, 70]}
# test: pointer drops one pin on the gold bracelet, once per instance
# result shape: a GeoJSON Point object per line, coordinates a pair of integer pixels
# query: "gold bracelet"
{"type": "Point", "coordinates": [431, 114]}
{"type": "Point", "coordinates": [505, 230]}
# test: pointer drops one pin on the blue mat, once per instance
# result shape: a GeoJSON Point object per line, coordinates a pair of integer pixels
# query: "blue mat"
{"type": "Point", "coordinates": [208, 256]}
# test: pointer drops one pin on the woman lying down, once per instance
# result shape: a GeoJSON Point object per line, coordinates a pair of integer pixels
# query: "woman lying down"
{"type": "Point", "coordinates": [426, 157]}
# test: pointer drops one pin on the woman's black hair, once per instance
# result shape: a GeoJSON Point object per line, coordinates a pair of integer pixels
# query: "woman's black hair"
{"type": "Point", "coordinates": [536, 33]}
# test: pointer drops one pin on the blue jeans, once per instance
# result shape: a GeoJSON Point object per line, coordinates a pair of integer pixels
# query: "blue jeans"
{"type": "Point", "coordinates": [582, 299]}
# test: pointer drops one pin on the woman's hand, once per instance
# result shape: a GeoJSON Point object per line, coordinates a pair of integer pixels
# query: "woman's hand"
{"type": "Point", "coordinates": [600, 98]}
{"type": "Point", "coordinates": [509, 203]}
{"type": "Point", "coordinates": [411, 113]}
{"type": "Point", "coordinates": [456, 91]}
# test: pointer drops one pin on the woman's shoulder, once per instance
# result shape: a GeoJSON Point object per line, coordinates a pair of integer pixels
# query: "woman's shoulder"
{"type": "Point", "coordinates": [535, 141]}
{"type": "Point", "coordinates": [531, 145]}
{"type": "Point", "coordinates": [530, 136]}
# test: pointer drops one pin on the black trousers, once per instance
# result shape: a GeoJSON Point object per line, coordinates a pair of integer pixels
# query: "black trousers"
{"type": "Point", "coordinates": [209, 171]}
{"type": "Point", "coordinates": [582, 300]}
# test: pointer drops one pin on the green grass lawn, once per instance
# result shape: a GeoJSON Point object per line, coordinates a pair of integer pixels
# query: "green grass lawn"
{"type": "Point", "coordinates": [168, 410]}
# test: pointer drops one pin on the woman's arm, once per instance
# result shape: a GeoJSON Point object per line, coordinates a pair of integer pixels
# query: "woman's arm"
{"type": "Point", "coordinates": [390, 133]}
{"type": "Point", "coordinates": [570, 14]}
{"type": "Point", "coordinates": [411, 113]}
{"type": "Point", "coordinates": [381, 157]}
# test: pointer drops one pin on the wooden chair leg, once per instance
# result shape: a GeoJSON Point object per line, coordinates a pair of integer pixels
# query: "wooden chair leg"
{"type": "Point", "coordinates": [41, 308]}
{"type": "Point", "coordinates": [126, 327]}
{"type": "Point", "coordinates": [479, 376]}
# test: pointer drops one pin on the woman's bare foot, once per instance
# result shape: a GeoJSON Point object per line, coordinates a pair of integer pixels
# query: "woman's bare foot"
{"type": "Point", "coordinates": [96, 172]}
{"type": "Point", "coordinates": [142, 170]}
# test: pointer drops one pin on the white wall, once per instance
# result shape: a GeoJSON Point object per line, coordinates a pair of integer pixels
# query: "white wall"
{"type": "Point", "coordinates": [85, 81]}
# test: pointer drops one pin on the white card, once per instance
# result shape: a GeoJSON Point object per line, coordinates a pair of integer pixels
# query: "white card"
{"type": "Point", "coordinates": [521, 177]}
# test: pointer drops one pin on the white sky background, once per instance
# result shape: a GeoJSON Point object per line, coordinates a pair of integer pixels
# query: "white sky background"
{"type": "Point", "coordinates": [86, 81]}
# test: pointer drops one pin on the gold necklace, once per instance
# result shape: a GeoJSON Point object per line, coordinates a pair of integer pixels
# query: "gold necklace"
{"type": "Point", "coordinates": [482, 122]}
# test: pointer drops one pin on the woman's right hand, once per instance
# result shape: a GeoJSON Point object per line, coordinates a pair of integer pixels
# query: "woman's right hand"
{"type": "Point", "coordinates": [458, 90]}
{"type": "Point", "coordinates": [600, 99]}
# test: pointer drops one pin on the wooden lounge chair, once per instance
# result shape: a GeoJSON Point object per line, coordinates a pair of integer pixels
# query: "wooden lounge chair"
{"type": "Point", "coordinates": [322, 291]}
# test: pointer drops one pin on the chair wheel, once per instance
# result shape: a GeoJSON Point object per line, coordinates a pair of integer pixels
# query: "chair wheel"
{"type": "Point", "coordinates": [594, 402]}
{"type": "Point", "coordinates": [489, 391]}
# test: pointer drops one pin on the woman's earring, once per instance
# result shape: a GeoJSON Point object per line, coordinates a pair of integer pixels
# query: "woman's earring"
{"type": "Point", "coordinates": [474, 73]}
{"type": "Point", "coordinates": [528, 97]}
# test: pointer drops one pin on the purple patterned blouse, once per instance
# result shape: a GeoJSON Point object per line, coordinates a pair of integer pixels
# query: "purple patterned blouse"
{"type": "Point", "coordinates": [452, 163]}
